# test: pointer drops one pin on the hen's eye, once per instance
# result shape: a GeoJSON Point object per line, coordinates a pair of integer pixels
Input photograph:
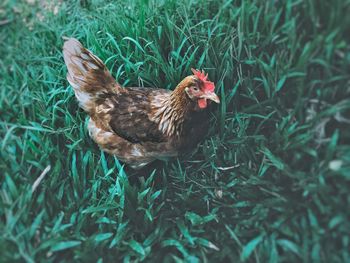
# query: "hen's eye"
{"type": "Point", "coordinates": [195, 88]}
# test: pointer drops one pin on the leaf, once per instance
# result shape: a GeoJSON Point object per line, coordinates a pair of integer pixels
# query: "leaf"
{"type": "Point", "coordinates": [65, 245]}
{"type": "Point", "coordinates": [151, 239]}
{"type": "Point", "coordinates": [104, 163]}
{"type": "Point", "coordinates": [37, 221]}
{"type": "Point", "coordinates": [207, 243]}
{"type": "Point", "coordinates": [335, 221]}
{"type": "Point", "coordinates": [295, 74]}
{"type": "Point", "coordinates": [277, 162]}
{"type": "Point", "coordinates": [273, 251]}
{"type": "Point", "coordinates": [155, 195]}
{"type": "Point", "coordinates": [196, 219]}
{"type": "Point", "coordinates": [177, 244]}
{"type": "Point", "coordinates": [122, 228]}
{"type": "Point", "coordinates": [105, 220]}
{"type": "Point", "coordinates": [280, 83]}
{"type": "Point", "coordinates": [232, 93]}
{"type": "Point", "coordinates": [185, 232]}
{"type": "Point", "coordinates": [103, 236]}
{"type": "Point", "coordinates": [233, 235]}
{"type": "Point", "coordinates": [289, 246]}
{"type": "Point", "coordinates": [137, 247]}
{"type": "Point", "coordinates": [312, 219]}
{"type": "Point", "coordinates": [141, 195]}
{"type": "Point", "coordinates": [135, 42]}
{"type": "Point", "coordinates": [249, 248]}
{"type": "Point", "coordinates": [99, 208]}
{"type": "Point", "coordinates": [11, 185]}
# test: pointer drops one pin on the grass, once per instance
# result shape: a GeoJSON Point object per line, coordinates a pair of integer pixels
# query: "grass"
{"type": "Point", "coordinates": [269, 184]}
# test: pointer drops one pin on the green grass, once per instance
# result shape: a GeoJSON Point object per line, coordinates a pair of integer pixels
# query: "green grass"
{"type": "Point", "coordinates": [269, 184]}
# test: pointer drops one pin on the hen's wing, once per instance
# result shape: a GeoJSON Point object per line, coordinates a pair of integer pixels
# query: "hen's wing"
{"type": "Point", "coordinates": [123, 126]}
{"type": "Point", "coordinates": [130, 112]}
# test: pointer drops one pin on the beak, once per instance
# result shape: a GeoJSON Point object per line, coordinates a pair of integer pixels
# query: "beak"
{"type": "Point", "coordinates": [211, 96]}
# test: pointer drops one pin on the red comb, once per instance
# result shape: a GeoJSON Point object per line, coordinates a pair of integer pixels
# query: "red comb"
{"type": "Point", "coordinates": [208, 85]}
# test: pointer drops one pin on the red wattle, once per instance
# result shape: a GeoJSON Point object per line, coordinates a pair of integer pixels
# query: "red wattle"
{"type": "Point", "coordinates": [202, 103]}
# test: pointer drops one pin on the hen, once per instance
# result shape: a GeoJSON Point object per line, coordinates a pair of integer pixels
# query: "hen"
{"type": "Point", "coordinates": [138, 125]}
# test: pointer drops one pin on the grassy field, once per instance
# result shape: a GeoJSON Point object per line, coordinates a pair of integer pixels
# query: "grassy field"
{"type": "Point", "coordinates": [271, 181]}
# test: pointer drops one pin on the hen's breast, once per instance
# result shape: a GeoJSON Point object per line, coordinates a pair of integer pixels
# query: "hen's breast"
{"type": "Point", "coordinates": [195, 128]}
{"type": "Point", "coordinates": [129, 115]}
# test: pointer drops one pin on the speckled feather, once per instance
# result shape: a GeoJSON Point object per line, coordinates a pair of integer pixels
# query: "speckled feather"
{"type": "Point", "coordinates": [138, 125]}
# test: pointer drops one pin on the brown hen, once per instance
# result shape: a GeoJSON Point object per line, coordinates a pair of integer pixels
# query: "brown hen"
{"type": "Point", "coordinates": [138, 125]}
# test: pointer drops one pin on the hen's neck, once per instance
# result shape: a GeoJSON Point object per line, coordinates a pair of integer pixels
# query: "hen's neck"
{"type": "Point", "coordinates": [172, 111]}
{"type": "Point", "coordinates": [179, 101]}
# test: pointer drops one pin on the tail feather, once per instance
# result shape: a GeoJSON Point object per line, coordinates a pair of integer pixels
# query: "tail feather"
{"type": "Point", "coordinates": [87, 74]}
